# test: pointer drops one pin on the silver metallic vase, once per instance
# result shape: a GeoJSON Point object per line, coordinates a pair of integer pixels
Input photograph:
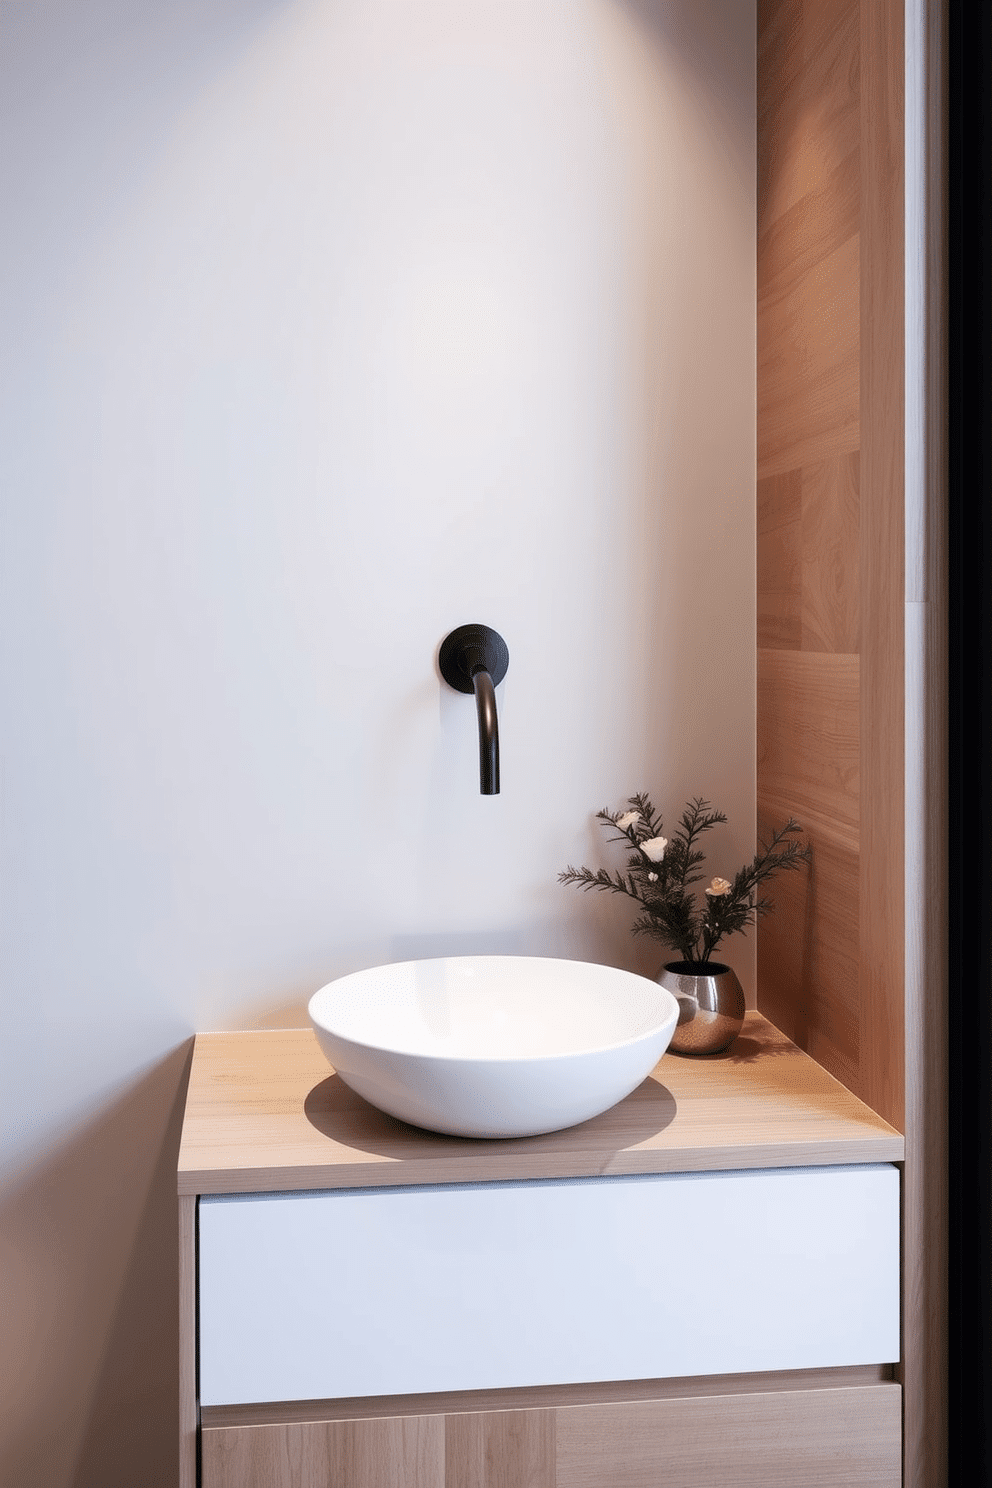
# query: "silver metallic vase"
{"type": "Point", "coordinates": [711, 1005]}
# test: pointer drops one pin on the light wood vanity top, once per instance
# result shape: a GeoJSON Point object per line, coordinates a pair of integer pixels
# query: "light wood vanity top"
{"type": "Point", "coordinates": [266, 1113]}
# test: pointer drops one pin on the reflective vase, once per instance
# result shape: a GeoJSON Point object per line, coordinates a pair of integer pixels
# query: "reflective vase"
{"type": "Point", "coordinates": [711, 1005]}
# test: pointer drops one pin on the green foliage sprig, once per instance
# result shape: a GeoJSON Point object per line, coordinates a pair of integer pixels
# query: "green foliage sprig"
{"type": "Point", "coordinates": [661, 870]}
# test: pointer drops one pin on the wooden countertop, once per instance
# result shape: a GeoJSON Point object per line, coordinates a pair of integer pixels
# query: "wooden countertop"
{"type": "Point", "coordinates": [265, 1113]}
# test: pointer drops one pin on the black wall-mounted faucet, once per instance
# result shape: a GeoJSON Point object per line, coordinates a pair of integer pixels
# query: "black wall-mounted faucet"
{"type": "Point", "coordinates": [474, 658]}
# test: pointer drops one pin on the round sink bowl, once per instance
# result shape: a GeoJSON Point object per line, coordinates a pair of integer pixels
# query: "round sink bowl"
{"type": "Point", "coordinates": [493, 1046]}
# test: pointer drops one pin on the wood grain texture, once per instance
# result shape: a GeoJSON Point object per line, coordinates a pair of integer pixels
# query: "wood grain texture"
{"type": "Point", "coordinates": [809, 142]}
{"type": "Point", "coordinates": [804, 1439]}
{"type": "Point", "coordinates": [830, 541]}
{"type": "Point", "coordinates": [809, 518]}
{"type": "Point", "coordinates": [812, 940]}
{"type": "Point", "coordinates": [807, 99]}
{"type": "Point", "coordinates": [400, 1452]}
{"type": "Point", "coordinates": [808, 742]}
{"type": "Point", "coordinates": [821, 221]}
{"type": "Point", "coordinates": [808, 706]}
{"type": "Point", "coordinates": [265, 1113]}
{"type": "Point", "coordinates": [544, 1397]}
{"type": "Point", "coordinates": [187, 1342]}
{"type": "Point", "coordinates": [500, 1449]}
{"type": "Point", "coordinates": [809, 1439]}
{"type": "Point", "coordinates": [779, 561]}
{"type": "Point", "coordinates": [831, 604]}
{"type": "Point", "coordinates": [808, 551]}
{"type": "Point", "coordinates": [809, 190]}
{"type": "Point", "coordinates": [808, 365]}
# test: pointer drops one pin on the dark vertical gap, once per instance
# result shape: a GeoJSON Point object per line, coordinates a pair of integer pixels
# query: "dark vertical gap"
{"type": "Point", "coordinates": [970, 739]}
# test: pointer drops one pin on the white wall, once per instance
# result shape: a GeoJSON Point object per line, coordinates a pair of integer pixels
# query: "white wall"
{"type": "Point", "coordinates": [328, 327]}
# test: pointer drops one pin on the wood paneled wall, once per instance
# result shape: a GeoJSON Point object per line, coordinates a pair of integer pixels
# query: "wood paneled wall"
{"type": "Point", "coordinates": [830, 529]}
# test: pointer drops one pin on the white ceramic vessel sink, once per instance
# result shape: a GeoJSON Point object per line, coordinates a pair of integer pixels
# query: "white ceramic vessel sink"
{"type": "Point", "coordinates": [493, 1046]}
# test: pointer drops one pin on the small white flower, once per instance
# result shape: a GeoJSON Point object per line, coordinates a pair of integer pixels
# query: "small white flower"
{"type": "Point", "coordinates": [718, 887]}
{"type": "Point", "coordinates": [654, 848]}
{"type": "Point", "coordinates": [652, 878]}
{"type": "Point", "coordinates": [628, 819]}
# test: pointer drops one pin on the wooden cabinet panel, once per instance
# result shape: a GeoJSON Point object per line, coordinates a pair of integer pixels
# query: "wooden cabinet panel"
{"type": "Point", "coordinates": [802, 1439]}
{"type": "Point", "coordinates": [490, 1449]}
{"type": "Point", "coordinates": [397, 1452]}
{"type": "Point", "coordinates": [828, 1438]}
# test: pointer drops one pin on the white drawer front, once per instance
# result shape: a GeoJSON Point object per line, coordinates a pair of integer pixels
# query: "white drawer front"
{"type": "Point", "coordinates": [475, 1286]}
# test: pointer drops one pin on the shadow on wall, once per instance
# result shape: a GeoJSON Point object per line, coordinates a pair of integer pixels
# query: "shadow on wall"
{"type": "Point", "coordinates": [89, 1297]}
{"type": "Point", "coordinates": [600, 936]}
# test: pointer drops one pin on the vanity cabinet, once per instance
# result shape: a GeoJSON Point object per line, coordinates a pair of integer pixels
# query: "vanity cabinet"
{"type": "Point", "coordinates": [699, 1286]}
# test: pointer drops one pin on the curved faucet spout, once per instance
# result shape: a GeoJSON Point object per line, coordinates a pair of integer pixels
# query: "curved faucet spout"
{"type": "Point", "coordinates": [485, 703]}
{"type": "Point", "coordinates": [474, 658]}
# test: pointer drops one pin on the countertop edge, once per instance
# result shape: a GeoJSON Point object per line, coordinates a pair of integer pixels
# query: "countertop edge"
{"type": "Point", "coordinates": [521, 1168]}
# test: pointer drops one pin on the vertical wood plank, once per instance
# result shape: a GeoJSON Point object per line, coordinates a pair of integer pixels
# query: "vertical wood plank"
{"type": "Point", "coordinates": [780, 552]}
{"type": "Point", "coordinates": [829, 558]}
{"type": "Point", "coordinates": [808, 754]}
{"type": "Point", "coordinates": [808, 247]}
{"type": "Point", "coordinates": [819, 1438]}
{"type": "Point", "coordinates": [187, 1341]}
{"type": "Point", "coordinates": [392, 1452]}
{"type": "Point", "coordinates": [807, 101]}
{"type": "Point", "coordinates": [809, 560]}
{"type": "Point", "coordinates": [813, 939]}
{"type": "Point", "coordinates": [500, 1449]}
{"type": "Point", "coordinates": [830, 579]}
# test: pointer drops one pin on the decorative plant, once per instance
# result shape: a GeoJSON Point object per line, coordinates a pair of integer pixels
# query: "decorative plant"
{"type": "Point", "coordinates": [660, 871]}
